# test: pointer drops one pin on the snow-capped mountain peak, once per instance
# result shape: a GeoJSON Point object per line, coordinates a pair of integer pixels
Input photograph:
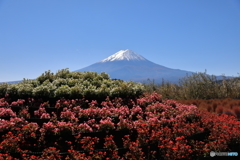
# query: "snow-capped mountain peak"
{"type": "Point", "coordinates": [124, 55]}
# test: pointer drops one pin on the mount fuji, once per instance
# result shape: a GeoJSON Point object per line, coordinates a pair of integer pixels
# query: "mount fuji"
{"type": "Point", "coordinates": [130, 66]}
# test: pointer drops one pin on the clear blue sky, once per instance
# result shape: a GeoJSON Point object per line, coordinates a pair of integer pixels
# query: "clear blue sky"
{"type": "Point", "coordinates": [41, 35]}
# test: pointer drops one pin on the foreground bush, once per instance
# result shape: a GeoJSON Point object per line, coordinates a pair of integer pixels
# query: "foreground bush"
{"type": "Point", "coordinates": [143, 128]}
{"type": "Point", "coordinates": [64, 83]}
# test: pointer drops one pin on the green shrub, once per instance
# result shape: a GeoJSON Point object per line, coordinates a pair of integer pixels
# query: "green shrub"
{"type": "Point", "coordinates": [115, 92]}
{"type": "Point", "coordinates": [105, 75]}
{"type": "Point", "coordinates": [12, 90]}
{"type": "Point", "coordinates": [3, 89]}
{"type": "Point", "coordinates": [48, 75]}
{"type": "Point", "coordinates": [44, 91]}
{"type": "Point", "coordinates": [34, 83]}
{"type": "Point", "coordinates": [76, 75]}
{"type": "Point", "coordinates": [72, 82]}
{"type": "Point", "coordinates": [64, 83]}
{"type": "Point", "coordinates": [96, 83]}
{"type": "Point", "coordinates": [90, 92]}
{"type": "Point", "coordinates": [25, 90]}
{"type": "Point", "coordinates": [86, 83]}
{"type": "Point", "coordinates": [138, 89]}
{"type": "Point", "coordinates": [77, 91]}
{"type": "Point", "coordinates": [63, 91]}
{"type": "Point", "coordinates": [103, 91]}
{"type": "Point", "coordinates": [89, 76]}
{"type": "Point", "coordinates": [63, 73]}
{"type": "Point", "coordinates": [59, 82]}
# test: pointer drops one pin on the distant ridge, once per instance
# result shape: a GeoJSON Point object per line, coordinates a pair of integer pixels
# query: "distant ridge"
{"type": "Point", "coordinates": [12, 81]}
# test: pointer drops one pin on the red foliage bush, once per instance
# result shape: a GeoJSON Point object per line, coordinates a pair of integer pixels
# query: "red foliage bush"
{"type": "Point", "coordinates": [153, 129]}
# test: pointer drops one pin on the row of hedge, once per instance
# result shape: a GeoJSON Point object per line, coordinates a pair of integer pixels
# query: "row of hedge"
{"type": "Point", "coordinates": [72, 85]}
{"type": "Point", "coordinates": [198, 86]}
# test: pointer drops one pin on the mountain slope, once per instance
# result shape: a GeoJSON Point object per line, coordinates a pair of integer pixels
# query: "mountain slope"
{"type": "Point", "coordinates": [128, 65]}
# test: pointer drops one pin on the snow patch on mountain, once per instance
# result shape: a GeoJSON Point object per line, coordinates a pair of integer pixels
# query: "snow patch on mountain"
{"type": "Point", "coordinates": [124, 55]}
